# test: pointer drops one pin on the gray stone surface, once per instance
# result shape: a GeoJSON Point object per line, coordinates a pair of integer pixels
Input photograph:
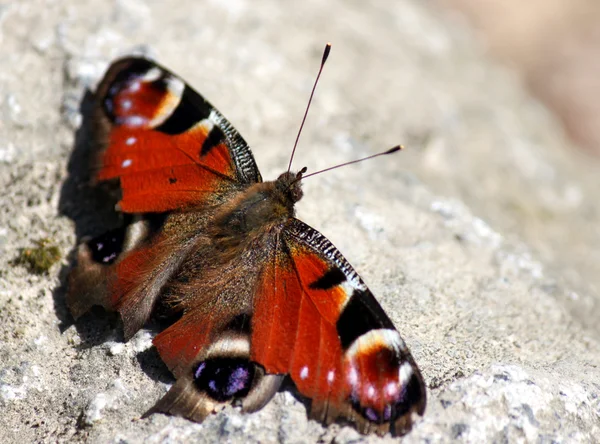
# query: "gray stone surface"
{"type": "Point", "coordinates": [481, 240]}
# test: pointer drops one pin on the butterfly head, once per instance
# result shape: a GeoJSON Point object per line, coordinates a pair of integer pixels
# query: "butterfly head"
{"type": "Point", "coordinates": [289, 184]}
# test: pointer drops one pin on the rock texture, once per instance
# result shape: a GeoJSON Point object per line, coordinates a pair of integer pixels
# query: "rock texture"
{"type": "Point", "coordinates": [480, 240]}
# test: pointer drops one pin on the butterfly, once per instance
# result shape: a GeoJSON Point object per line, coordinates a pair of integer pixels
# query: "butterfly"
{"type": "Point", "coordinates": [254, 294]}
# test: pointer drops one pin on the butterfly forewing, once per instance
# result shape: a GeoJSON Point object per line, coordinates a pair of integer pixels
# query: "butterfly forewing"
{"type": "Point", "coordinates": [316, 320]}
{"type": "Point", "coordinates": [170, 148]}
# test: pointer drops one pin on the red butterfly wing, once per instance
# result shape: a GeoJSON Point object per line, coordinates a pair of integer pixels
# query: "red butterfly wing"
{"type": "Point", "coordinates": [171, 151]}
{"type": "Point", "coordinates": [315, 319]}
{"type": "Point", "coordinates": [169, 147]}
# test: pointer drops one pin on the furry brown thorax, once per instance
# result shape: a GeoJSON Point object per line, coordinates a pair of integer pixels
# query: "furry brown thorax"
{"type": "Point", "coordinates": [258, 209]}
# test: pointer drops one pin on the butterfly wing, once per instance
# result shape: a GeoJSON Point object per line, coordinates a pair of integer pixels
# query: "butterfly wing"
{"type": "Point", "coordinates": [168, 146]}
{"type": "Point", "coordinates": [208, 348]}
{"type": "Point", "coordinates": [171, 152]}
{"type": "Point", "coordinates": [292, 306]}
{"type": "Point", "coordinates": [315, 320]}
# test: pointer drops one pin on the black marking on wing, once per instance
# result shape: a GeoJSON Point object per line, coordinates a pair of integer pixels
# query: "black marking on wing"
{"type": "Point", "coordinates": [156, 222]}
{"type": "Point", "coordinates": [309, 236]}
{"type": "Point", "coordinates": [332, 278]}
{"type": "Point", "coordinates": [413, 393]}
{"type": "Point", "coordinates": [107, 247]}
{"type": "Point", "coordinates": [214, 138]}
{"type": "Point", "coordinates": [242, 156]}
{"type": "Point", "coordinates": [241, 324]}
{"type": "Point", "coordinates": [361, 314]}
{"type": "Point", "coordinates": [191, 109]}
{"type": "Point", "coordinates": [224, 378]}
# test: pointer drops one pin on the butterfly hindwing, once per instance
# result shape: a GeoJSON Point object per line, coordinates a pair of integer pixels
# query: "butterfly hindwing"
{"type": "Point", "coordinates": [219, 373]}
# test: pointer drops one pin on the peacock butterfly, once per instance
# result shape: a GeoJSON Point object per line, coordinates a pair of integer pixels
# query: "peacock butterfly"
{"type": "Point", "coordinates": [256, 294]}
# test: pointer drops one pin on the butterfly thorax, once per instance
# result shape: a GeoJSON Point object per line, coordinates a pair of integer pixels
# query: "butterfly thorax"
{"type": "Point", "coordinates": [261, 209]}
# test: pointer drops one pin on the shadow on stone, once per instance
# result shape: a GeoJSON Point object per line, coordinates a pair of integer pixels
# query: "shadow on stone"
{"type": "Point", "coordinates": [154, 367]}
{"type": "Point", "coordinates": [91, 208]}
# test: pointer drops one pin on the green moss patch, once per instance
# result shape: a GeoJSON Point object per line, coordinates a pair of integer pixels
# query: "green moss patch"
{"type": "Point", "coordinates": [40, 258]}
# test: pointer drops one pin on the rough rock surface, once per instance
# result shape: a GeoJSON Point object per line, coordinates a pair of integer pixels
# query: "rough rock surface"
{"type": "Point", "coordinates": [481, 240]}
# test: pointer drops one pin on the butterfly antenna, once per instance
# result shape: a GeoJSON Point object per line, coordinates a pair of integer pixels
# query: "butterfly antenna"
{"type": "Point", "coordinates": [323, 60]}
{"type": "Point", "coordinates": [390, 151]}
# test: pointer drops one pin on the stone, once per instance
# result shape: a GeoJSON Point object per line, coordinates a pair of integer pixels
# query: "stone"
{"type": "Point", "coordinates": [480, 239]}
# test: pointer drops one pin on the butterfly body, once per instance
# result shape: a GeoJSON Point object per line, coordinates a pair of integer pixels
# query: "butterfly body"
{"type": "Point", "coordinates": [255, 294]}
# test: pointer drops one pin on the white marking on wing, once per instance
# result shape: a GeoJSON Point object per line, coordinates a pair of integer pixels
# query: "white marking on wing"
{"type": "Point", "coordinates": [391, 390]}
{"type": "Point", "coordinates": [330, 376]}
{"type": "Point", "coordinates": [304, 372]}
{"type": "Point", "coordinates": [404, 373]}
{"type": "Point", "coordinates": [152, 74]}
{"type": "Point", "coordinates": [382, 337]}
{"type": "Point", "coordinates": [170, 102]}
{"type": "Point", "coordinates": [175, 86]}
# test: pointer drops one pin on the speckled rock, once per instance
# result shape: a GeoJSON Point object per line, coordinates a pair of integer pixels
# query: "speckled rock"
{"type": "Point", "coordinates": [480, 240]}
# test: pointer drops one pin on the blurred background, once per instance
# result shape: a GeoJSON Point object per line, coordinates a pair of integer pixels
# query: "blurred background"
{"type": "Point", "coordinates": [555, 46]}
